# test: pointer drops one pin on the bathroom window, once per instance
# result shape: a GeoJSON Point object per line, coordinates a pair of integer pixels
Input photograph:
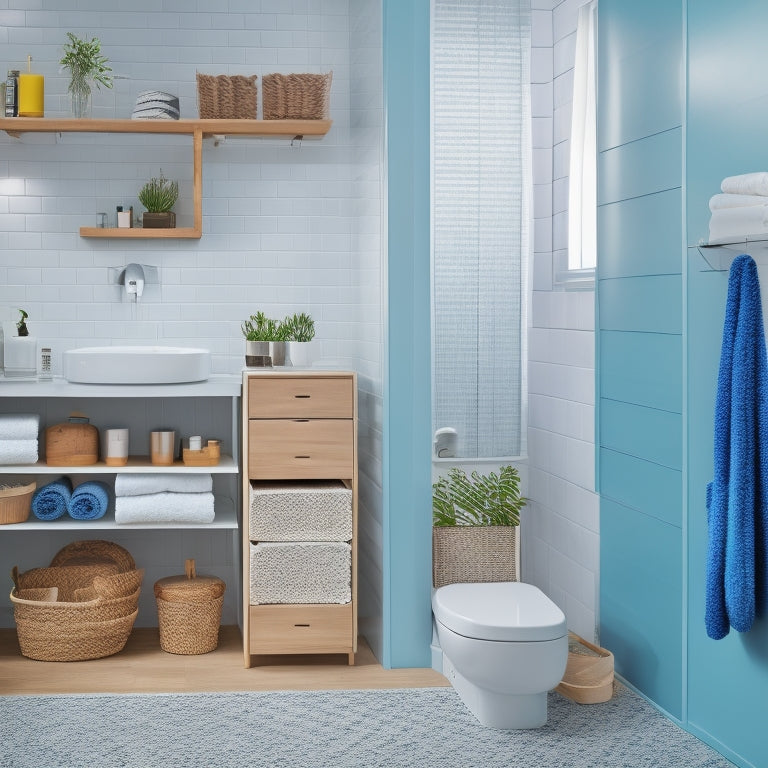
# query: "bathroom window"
{"type": "Point", "coordinates": [480, 221]}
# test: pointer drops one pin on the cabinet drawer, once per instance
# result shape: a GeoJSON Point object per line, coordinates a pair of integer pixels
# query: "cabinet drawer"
{"type": "Point", "coordinates": [272, 397]}
{"type": "Point", "coordinates": [301, 629]}
{"type": "Point", "coordinates": [293, 449]}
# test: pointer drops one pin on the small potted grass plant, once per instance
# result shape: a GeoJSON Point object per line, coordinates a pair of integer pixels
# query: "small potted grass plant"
{"type": "Point", "coordinates": [300, 330]}
{"type": "Point", "coordinates": [259, 332]}
{"type": "Point", "coordinates": [158, 196]}
{"type": "Point", "coordinates": [475, 526]}
{"type": "Point", "coordinates": [88, 67]}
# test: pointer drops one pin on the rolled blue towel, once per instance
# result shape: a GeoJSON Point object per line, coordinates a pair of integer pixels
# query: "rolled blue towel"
{"type": "Point", "coordinates": [50, 502]}
{"type": "Point", "coordinates": [89, 501]}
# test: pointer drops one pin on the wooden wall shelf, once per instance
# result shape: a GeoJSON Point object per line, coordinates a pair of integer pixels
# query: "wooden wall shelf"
{"type": "Point", "coordinates": [197, 129]}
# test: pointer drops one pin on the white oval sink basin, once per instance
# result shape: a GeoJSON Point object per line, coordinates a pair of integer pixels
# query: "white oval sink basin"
{"type": "Point", "coordinates": [136, 365]}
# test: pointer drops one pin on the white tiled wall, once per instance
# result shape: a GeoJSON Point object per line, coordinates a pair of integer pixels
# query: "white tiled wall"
{"type": "Point", "coordinates": [286, 228]}
{"type": "Point", "coordinates": [560, 526]}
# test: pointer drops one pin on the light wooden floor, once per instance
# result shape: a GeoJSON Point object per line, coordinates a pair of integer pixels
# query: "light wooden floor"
{"type": "Point", "coordinates": [142, 667]}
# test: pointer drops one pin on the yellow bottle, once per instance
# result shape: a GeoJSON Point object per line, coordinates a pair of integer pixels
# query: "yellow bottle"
{"type": "Point", "coordinates": [31, 93]}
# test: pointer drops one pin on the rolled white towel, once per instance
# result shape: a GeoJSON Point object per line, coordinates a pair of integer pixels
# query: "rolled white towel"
{"type": "Point", "coordinates": [165, 508]}
{"type": "Point", "coordinates": [727, 200]}
{"type": "Point", "coordinates": [141, 484]}
{"type": "Point", "coordinates": [19, 426]}
{"type": "Point", "coordinates": [735, 224]}
{"type": "Point", "coordinates": [746, 184]}
{"type": "Point", "coordinates": [18, 451]}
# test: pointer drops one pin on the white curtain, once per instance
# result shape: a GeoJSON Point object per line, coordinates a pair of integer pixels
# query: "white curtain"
{"type": "Point", "coordinates": [582, 176]}
{"type": "Point", "coordinates": [481, 209]}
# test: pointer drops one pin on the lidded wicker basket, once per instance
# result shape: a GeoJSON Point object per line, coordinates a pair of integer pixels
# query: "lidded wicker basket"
{"type": "Point", "coordinates": [15, 499]}
{"type": "Point", "coordinates": [189, 611]}
{"type": "Point", "coordinates": [226, 97]}
{"type": "Point", "coordinates": [296, 97]}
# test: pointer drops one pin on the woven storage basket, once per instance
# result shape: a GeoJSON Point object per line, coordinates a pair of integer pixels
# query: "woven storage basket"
{"type": "Point", "coordinates": [189, 611]}
{"type": "Point", "coordinates": [15, 500]}
{"type": "Point", "coordinates": [226, 97]}
{"type": "Point", "coordinates": [68, 617]}
{"type": "Point", "coordinates": [68, 578]}
{"type": "Point", "coordinates": [466, 553]}
{"type": "Point", "coordinates": [296, 97]}
{"type": "Point", "coordinates": [95, 551]}
{"type": "Point", "coordinates": [88, 640]}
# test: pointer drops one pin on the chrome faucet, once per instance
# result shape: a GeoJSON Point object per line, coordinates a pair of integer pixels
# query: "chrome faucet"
{"type": "Point", "coordinates": [133, 279]}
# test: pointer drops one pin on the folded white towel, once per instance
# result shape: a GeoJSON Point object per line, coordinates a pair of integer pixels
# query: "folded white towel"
{"type": "Point", "coordinates": [727, 200]}
{"type": "Point", "coordinates": [734, 224]}
{"type": "Point", "coordinates": [19, 426]}
{"type": "Point", "coordinates": [144, 483]}
{"type": "Point", "coordinates": [746, 184]}
{"type": "Point", "coordinates": [165, 508]}
{"type": "Point", "coordinates": [18, 451]}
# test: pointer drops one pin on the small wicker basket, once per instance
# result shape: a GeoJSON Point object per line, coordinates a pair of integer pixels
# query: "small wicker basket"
{"type": "Point", "coordinates": [226, 97]}
{"type": "Point", "coordinates": [296, 97]}
{"type": "Point", "coordinates": [464, 553]}
{"type": "Point", "coordinates": [189, 611]}
{"type": "Point", "coordinates": [15, 500]}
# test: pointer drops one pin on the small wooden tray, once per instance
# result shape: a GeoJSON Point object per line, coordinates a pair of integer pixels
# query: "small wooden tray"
{"type": "Point", "coordinates": [588, 677]}
{"type": "Point", "coordinates": [208, 456]}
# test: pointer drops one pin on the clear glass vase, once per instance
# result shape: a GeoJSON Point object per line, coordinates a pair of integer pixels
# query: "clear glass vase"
{"type": "Point", "coordinates": [80, 100]}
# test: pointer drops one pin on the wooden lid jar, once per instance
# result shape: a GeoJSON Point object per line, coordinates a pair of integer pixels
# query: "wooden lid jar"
{"type": "Point", "coordinates": [74, 443]}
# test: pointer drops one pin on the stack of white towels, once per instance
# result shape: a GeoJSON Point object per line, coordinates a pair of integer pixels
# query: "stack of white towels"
{"type": "Point", "coordinates": [18, 438]}
{"type": "Point", "coordinates": [163, 498]}
{"type": "Point", "coordinates": [740, 209]}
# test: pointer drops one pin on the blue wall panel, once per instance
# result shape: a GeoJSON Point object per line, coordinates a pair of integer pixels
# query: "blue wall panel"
{"type": "Point", "coordinates": [641, 236]}
{"type": "Point", "coordinates": [642, 368]}
{"type": "Point", "coordinates": [640, 93]}
{"type": "Point", "coordinates": [641, 604]}
{"type": "Point", "coordinates": [640, 168]}
{"type": "Point", "coordinates": [647, 304]}
{"type": "Point", "coordinates": [647, 433]}
{"type": "Point", "coordinates": [645, 486]}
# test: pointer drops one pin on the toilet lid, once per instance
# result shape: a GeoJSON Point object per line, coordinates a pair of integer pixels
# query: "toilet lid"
{"type": "Point", "coordinates": [508, 610]}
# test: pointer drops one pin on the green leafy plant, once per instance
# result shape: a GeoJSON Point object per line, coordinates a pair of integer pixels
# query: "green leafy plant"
{"type": "Point", "coordinates": [299, 327]}
{"type": "Point", "coordinates": [159, 194]}
{"type": "Point", "coordinates": [479, 500]}
{"type": "Point", "coordinates": [86, 64]}
{"type": "Point", "coordinates": [21, 324]}
{"type": "Point", "coordinates": [259, 327]}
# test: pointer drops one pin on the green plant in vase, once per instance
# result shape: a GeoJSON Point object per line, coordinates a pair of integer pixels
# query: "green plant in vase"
{"type": "Point", "coordinates": [87, 67]}
{"type": "Point", "coordinates": [158, 196]}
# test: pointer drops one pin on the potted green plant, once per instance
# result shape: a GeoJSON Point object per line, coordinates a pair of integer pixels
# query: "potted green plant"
{"type": "Point", "coordinates": [299, 332]}
{"type": "Point", "coordinates": [475, 526]}
{"type": "Point", "coordinates": [87, 67]}
{"type": "Point", "coordinates": [158, 196]}
{"type": "Point", "coordinates": [259, 331]}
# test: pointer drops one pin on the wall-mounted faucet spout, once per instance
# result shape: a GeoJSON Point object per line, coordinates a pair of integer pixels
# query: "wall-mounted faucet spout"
{"type": "Point", "coordinates": [133, 279]}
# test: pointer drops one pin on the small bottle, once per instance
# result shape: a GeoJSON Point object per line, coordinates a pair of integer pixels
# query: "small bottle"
{"type": "Point", "coordinates": [46, 364]}
{"type": "Point", "coordinates": [12, 93]}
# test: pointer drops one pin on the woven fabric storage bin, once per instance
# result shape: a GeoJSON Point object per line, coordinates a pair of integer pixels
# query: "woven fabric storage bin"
{"type": "Point", "coordinates": [226, 97]}
{"type": "Point", "coordinates": [189, 611]}
{"type": "Point", "coordinates": [468, 554]}
{"type": "Point", "coordinates": [16, 500]}
{"type": "Point", "coordinates": [296, 97]}
{"type": "Point", "coordinates": [308, 511]}
{"type": "Point", "coordinates": [307, 572]}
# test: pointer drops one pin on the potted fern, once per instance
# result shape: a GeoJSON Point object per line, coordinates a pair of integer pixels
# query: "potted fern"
{"type": "Point", "coordinates": [475, 526]}
{"type": "Point", "coordinates": [87, 67]}
{"type": "Point", "coordinates": [158, 196]}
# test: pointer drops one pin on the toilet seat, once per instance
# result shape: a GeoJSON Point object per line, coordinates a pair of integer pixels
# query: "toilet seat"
{"type": "Point", "coordinates": [506, 611]}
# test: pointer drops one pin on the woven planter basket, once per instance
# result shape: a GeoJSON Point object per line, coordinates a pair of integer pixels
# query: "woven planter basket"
{"type": "Point", "coordinates": [296, 97]}
{"type": "Point", "coordinates": [16, 501]}
{"type": "Point", "coordinates": [466, 553]}
{"type": "Point", "coordinates": [226, 97]}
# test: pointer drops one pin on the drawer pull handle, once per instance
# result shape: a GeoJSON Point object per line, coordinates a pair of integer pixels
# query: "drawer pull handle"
{"type": "Point", "coordinates": [302, 457]}
{"type": "Point", "coordinates": [301, 421]}
{"type": "Point", "coordinates": [301, 625]}
{"type": "Point", "coordinates": [303, 396]}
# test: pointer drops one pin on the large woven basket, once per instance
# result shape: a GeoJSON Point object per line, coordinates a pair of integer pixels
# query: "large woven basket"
{"type": "Point", "coordinates": [16, 500]}
{"type": "Point", "coordinates": [296, 97]}
{"type": "Point", "coordinates": [465, 553]}
{"type": "Point", "coordinates": [92, 551]}
{"type": "Point", "coordinates": [226, 97]}
{"type": "Point", "coordinates": [189, 611]}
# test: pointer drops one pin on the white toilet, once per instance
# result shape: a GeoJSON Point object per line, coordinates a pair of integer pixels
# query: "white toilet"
{"type": "Point", "coordinates": [505, 645]}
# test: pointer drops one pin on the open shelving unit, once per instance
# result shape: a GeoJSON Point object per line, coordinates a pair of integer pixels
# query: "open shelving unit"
{"type": "Point", "coordinates": [198, 129]}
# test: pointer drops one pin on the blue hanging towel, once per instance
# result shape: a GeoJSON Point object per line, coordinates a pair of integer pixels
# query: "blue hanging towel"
{"type": "Point", "coordinates": [89, 501]}
{"type": "Point", "coordinates": [49, 502]}
{"type": "Point", "coordinates": [738, 494]}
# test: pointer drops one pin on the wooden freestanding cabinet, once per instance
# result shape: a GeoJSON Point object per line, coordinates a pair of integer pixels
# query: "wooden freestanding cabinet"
{"type": "Point", "coordinates": [299, 513]}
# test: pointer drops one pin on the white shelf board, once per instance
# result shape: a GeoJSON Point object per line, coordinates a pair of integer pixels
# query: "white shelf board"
{"type": "Point", "coordinates": [136, 464]}
{"type": "Point", "coordinates": [225, 519]}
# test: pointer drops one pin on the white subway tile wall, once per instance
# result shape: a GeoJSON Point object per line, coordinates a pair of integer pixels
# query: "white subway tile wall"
{"type": "Point", "coordinates": [285, 227]}
{"type": "Point", "coordinates": [561, 524]}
